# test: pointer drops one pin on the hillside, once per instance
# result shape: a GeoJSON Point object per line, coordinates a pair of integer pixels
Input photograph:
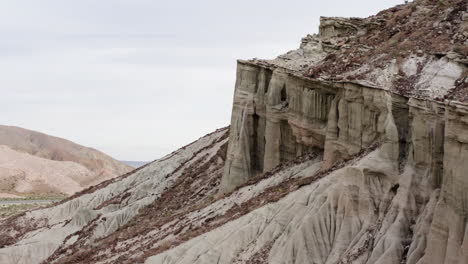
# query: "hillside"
{"type": "Point", "coordinates": [24, 173]}
{"type": "Point", "coordinates": [33, 163]}
{"type": "Point", "coordinates": [326, 161]}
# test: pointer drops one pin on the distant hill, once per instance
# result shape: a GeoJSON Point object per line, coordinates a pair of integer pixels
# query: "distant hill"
{"type": "Point", "coordinates": [134, 164]}
{"type": "Point", "coordinates": [33, 162]}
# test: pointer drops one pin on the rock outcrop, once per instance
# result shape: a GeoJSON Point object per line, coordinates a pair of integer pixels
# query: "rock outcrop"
{"type": "Point", "coordinates": [33, 163]}
{"type": "Point", "coordinates": [328, 160]}
{"type": "Point", "coordinates": [282, 107]}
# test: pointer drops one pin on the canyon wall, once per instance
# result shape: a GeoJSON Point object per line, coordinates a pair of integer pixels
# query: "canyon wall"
{"type": "Point", "coordinates": [279, 115]}
{"type": "Point", "coordinates": [274, 119]}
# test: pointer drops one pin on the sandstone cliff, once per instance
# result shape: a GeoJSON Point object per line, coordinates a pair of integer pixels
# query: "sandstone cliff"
{"type": "Point", "coordinates": [328, 159]}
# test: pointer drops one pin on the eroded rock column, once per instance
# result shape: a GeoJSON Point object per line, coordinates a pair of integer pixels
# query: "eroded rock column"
{"type": "Point", "coordinates": [448, 238]}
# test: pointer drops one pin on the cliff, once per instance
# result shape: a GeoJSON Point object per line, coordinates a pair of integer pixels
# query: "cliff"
{"type": "Point", "coordinates": [328, 159]}
{"type": "Point", "coordinates": [332, 93]}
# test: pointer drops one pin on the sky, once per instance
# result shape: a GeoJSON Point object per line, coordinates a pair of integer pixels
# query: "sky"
{"type": "Point", "coordinates": [138, 79]}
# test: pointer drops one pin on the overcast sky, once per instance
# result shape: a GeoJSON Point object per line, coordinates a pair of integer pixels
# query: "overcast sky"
{"type": "Point", "coordinates": [138, 79]}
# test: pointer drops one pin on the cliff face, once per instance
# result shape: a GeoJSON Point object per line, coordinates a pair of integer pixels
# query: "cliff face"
{"type": "Point", "coordinates": [328, 159]}
{"type": "Point", "coordinates": [278, 116]}
{"type": "Point", "coordinates": [448, 238]}
{"type": "Point", "coordinates": [329, 93]}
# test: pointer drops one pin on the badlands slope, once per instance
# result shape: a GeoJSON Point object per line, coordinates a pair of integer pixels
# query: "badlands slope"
{"type": "Point", "coordinates": [332, 156]}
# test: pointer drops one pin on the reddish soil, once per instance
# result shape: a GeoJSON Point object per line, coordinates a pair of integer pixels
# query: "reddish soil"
{"type": "Point", "coordinates": [460, 92]}
{"type": "Point", "coordinates": [18, 225]}
{"type": "Point", "coordinates": [270, 195]}
{"type": "Point", "coordinates": [397, 33]}
{"type": "Point", "coordinates": [195, 187]}
{"type": "Point", "coordinates": [194, 190]}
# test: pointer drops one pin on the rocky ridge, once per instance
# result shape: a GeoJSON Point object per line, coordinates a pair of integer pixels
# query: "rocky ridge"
{"type": "Point", "coordinates": [315, 167]}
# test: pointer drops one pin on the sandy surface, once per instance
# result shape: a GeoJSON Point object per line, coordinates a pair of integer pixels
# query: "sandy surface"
{"type": "Point", "coordinates": [8, 195]}
{"type": "Point", "coordinates": [24, 173]}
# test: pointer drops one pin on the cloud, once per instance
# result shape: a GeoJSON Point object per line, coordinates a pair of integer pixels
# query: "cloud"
{"type": "Point", "coordinates": [124, 74]}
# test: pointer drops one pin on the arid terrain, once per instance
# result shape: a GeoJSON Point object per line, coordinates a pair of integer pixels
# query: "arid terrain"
{"type": "Point", "coordinates": [352, 148]}
{"type": "Point", "coordinates": [34, 164]}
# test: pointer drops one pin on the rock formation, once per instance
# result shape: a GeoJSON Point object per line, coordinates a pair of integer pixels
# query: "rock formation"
{"type": "Point", "coordinates": [350, 149]}
{"type": "Point", "coordinates": [32, 163]}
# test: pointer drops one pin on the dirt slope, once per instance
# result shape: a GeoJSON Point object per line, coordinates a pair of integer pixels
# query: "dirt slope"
{"type": "Point", "coordinates": [33, 161]}
{"type": "Point", "coordinates": [28, 174]}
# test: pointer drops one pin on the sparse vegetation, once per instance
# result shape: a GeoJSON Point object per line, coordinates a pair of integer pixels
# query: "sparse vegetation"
{"type": "Point", "coordinates": [8, 210]}
{"type": "Point", "coordinates": [35, 196]}
{"type": "Point", "coordinates": [418, 28]}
